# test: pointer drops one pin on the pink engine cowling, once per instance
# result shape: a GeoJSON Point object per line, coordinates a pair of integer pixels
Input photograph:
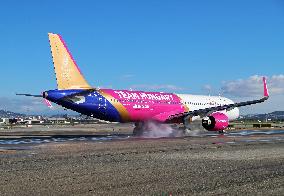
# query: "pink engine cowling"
{"type": "Point", "coordinates": [215, 122]}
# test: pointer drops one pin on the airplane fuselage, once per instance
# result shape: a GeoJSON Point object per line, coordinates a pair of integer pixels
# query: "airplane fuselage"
{"type": "Point", "coordinates": [134, 106]}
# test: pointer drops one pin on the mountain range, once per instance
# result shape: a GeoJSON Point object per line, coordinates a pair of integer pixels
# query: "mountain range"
{"type": "Point", "coordinates": [9, 114]}
{"type": "Point", "coordinates": [277, 115]}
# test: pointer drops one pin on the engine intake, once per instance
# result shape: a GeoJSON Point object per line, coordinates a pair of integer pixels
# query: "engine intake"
{"type": "Point", "coordinates": [215, 122]}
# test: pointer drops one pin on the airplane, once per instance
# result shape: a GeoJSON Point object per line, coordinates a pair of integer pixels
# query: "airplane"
{"type": "Point", "coordinates": [74, 92]}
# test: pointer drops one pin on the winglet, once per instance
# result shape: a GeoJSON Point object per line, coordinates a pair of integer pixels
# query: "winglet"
{"type": "Point", "coordinates": [265, 89]}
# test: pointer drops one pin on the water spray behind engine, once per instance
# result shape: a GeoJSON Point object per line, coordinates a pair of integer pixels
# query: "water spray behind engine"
{"type": "Point", "coordinates": [152, 129]}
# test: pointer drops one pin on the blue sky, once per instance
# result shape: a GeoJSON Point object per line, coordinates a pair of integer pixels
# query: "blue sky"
{"type": "Point", "coordinates": [182, 46]}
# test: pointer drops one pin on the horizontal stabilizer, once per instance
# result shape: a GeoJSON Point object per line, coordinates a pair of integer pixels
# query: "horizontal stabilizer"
{"type": "Point", "coordinates": [29, 95]}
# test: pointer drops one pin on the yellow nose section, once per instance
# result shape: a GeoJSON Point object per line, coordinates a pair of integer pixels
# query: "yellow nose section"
{"type": "Point", "coordinates": [68, 74]}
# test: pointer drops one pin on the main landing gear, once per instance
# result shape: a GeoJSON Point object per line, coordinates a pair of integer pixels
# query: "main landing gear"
{"type": "Point", "coordinates": [190, 126]}
{"type": "Point", "coordinates": [138, 129]}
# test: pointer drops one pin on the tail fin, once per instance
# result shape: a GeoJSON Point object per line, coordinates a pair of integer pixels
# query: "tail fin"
{"type": "Point", "coordinates": [68, 74]}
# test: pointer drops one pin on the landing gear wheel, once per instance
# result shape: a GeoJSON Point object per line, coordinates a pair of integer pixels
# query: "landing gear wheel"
{"type": "Point", "coordinates": [186, 131]}
{"type": "Point", "coordinates": [222, 131]}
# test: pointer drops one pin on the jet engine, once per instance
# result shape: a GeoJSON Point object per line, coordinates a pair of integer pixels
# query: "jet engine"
{"type": "Point", "coordinates": [215, 122]}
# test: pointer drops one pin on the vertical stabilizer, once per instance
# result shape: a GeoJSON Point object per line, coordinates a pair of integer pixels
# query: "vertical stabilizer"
{"type": "Point", "coordinates": [68, 74]}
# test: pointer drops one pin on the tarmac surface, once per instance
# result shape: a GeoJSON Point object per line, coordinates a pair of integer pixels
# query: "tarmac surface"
{"type": "Point", "coordinates": [108, 160]}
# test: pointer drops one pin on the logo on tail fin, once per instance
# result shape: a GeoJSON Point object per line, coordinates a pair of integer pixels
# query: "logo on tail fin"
{"type": "Point", "coordinates": [67, 73]}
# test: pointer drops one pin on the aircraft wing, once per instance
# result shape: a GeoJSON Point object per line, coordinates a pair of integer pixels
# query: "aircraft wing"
{"type": "Point", "coordinates": [207, 111]}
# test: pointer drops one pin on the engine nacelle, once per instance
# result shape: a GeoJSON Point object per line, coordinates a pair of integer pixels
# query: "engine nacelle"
{"type": "Point", "coordinates": [215, 122]}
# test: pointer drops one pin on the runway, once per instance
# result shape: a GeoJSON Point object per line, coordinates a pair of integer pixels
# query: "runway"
{"type": "Point", "coordinates": [241, 136]}
{"type": "Point", "coordinates": [92, 161]}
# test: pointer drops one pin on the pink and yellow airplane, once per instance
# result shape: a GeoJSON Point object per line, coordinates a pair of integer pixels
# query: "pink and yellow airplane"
{"type": "Point", "coordinates": [73, 92]}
